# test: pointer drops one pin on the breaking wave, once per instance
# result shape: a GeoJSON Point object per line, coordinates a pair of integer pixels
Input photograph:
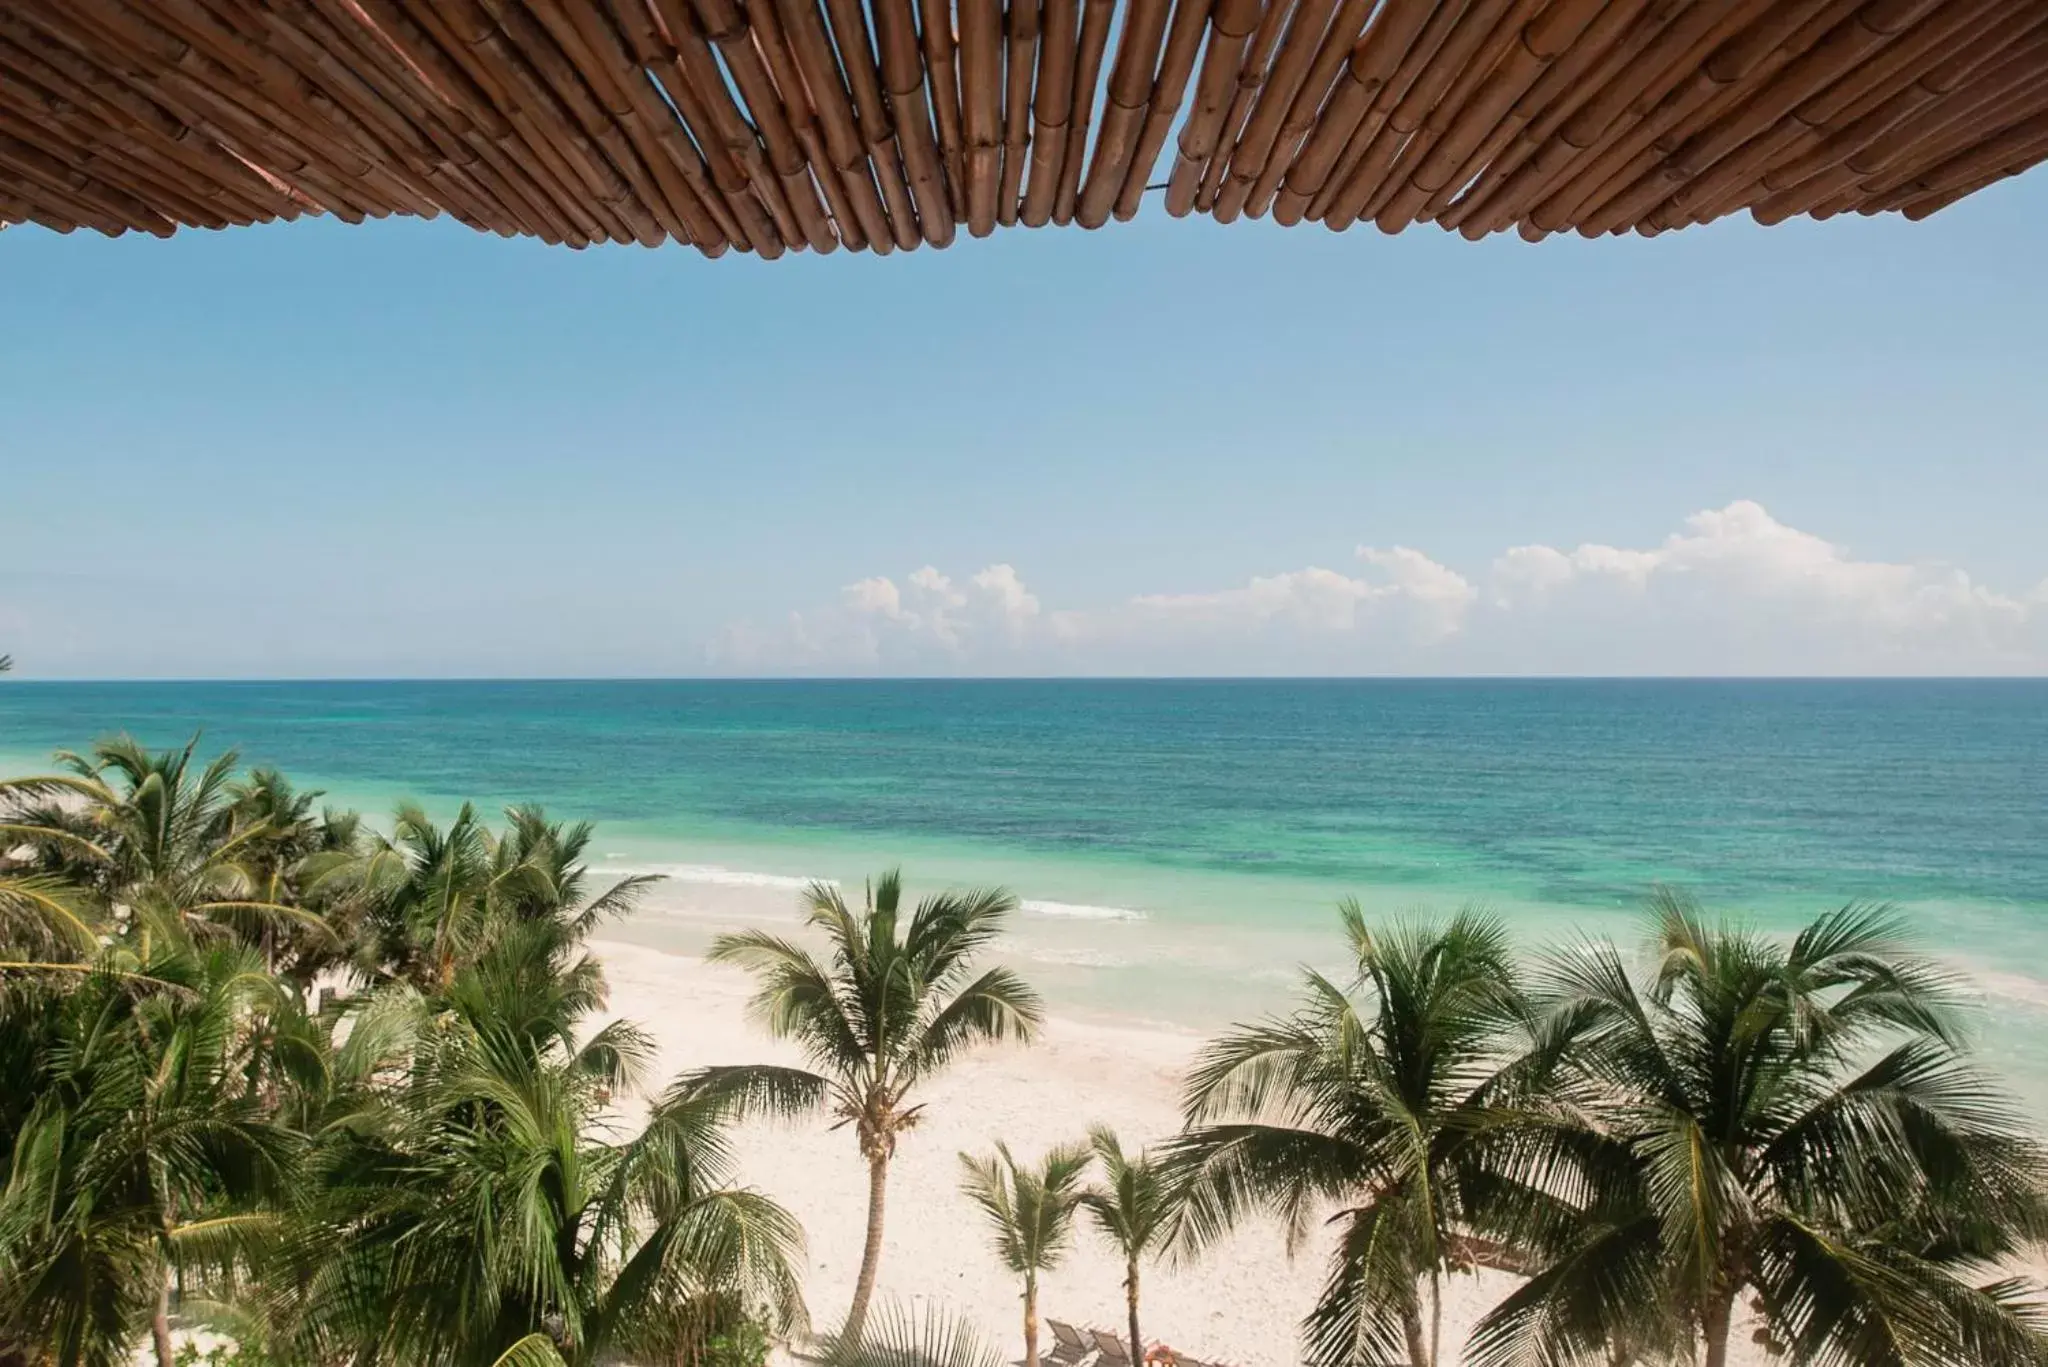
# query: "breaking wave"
{"type": "Point", "coordinates": [1081, 911]}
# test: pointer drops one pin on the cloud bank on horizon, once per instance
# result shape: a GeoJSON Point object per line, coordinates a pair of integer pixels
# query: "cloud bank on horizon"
{"type": "Point", "coordinates": [1733, 592]}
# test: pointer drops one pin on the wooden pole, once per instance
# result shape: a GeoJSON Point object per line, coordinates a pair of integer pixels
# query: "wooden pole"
{"type": "Point", "coordinates": [1051, 106]}
{"type": "Point", "coordinates": [1183, 43]}
{"type": "Point", "coordinates": [779, 124]}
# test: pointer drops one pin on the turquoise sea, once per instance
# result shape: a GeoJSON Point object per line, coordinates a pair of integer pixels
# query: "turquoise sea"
{"type": "Point", "coordinates": [1179, 844]}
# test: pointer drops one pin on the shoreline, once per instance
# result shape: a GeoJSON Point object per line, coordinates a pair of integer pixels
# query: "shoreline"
{"type": "Point", "coordinates": [1193, 976]}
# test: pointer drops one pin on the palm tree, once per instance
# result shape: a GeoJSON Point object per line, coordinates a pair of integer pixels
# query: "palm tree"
{"type": "Point", "coordinates": [1135, 1208]}
{"type": "Point", "coordinates": [138, 1150]}
{"type": "Point", "coordinates": [167, 820]}
{"type": "Point", "coordinates": [1381, 1103]}
{"type": "Point", "coordinates": [44, 915]}
{"type": "Point", "coordinates": [893, 1006]}
{"type": "Point", "coordinates": [421, 895]}
{"type": "Point", "coordinates": [471, 1212]}
{"type": "Point", "coordinates": [427, 897]}
{"type": "Point", "coordinates": [539, 872]}
{"type": "Point", "coordinates": [284, 842]}
{"type": "Point", "coordinates": [1788, 1122]}
{"type": "Point", "coordinates": [155, 835]}
{"type": "Point", "coordinates": [1031, 1211]}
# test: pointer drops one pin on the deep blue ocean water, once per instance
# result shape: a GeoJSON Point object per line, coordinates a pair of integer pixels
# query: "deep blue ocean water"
{"type": "Point", "coordinates": [1211, 809]}
{"type": "Point", "coordinates": [1575, 791]}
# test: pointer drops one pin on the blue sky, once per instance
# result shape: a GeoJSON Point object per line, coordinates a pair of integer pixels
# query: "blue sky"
{"type": "Point", "coordinates": [405, 448]}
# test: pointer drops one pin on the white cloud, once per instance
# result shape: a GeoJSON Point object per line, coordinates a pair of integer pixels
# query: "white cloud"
{"type": "Point", "coordinates": [927, 621]}
{"type": "Point", "coordinates": [1737, 591]}
{"type": "Point", "coordinates": [1734, 591]}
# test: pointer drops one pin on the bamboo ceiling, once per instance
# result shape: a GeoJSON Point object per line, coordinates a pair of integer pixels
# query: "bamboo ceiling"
{"type": "Point", "coordinates": [777, 125]}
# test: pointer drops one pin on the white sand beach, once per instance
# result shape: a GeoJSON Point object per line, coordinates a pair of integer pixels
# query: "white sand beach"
{"type": "Point", "coordinates": [1239, 1305]}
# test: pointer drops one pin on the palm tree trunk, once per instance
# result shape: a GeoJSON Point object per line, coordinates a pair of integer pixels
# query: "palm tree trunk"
{"type": "Point", "coordinates": [1031, 1322]}
{"type": "Point", "coordinates": [1131, 1301]}
{"type": "Point", "coordinates": [1436, 1313]}
{"type": "Point", "coordinates": [1714, 1326]}
{"type": "Point", "coordinates": [871, 1253]}
{"type": "Point", "coordinates": [1418, 1346]}
{"type": "Point", "coordinates": [160, 1323]}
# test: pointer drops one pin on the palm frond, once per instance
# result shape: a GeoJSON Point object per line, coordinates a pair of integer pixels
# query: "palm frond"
{"type": "Point", "coordinates": [620, 1053]}
{"type": "Point", "coordinates": [1029, 1209]}
{"type": "Point", "coordinates": [746, 1091]}
{"type": "Point", "coordinates": [535, 1350]}
{"type": "Point", "coordinates": [995, 1007]}
{"type": "Point", "coordinates": [1602, 1301]}
{"type": "Point", "coordinates": [42, 834]}
{"type": "Point", "coordinates": [1227, 1173]}
{"type": "Point", "coordinates": [1360, 1319]}
{"type": "Point", "coordinates": [898, 1337]}
{"type": "Point", "coordinates": [796, 997]}
{"type": "Point", "coordinates": [46, 915]}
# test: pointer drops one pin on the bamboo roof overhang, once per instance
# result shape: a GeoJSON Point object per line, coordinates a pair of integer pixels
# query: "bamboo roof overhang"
{"type": "Point", "coordinates": [781, 125]}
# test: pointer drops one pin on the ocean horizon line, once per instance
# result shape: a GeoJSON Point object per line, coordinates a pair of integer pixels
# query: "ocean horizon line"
{"type": "Point", "coordinates": [30, 681]}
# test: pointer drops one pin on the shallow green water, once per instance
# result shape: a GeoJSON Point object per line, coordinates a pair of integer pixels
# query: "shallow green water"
{"type": "Point", "coordinates": [1179, 843]}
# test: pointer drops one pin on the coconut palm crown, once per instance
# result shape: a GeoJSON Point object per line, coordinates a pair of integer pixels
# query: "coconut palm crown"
{"type": "Point", "coordinates": [1379, 1102]}
{"type": "Point", "coordinates": [1030, 1212]}
{"type": "Point", "coordinates": [1786, 1124]}
{"type": "Point", "coordinates": [1135, 1207]}
{"type": "Point", "coordinates": [896, 999]}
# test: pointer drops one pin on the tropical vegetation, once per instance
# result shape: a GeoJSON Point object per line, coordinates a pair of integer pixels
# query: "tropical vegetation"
{"type": "Point", "coordinates": [346, 1091]}
{"type": "Point", "coordinates": [341, 1092]}
{"type": "Point", "coordinates": [1030, 1212]}
{"type": "Point", "coordinates": [1376, 1098]}
{"type": "Point", "coordinates": [896, 1001]}
{"type": "Point", "coordinates": [1789, 1125]}
{"type": "Point", "coordinates": [1136, 1207]}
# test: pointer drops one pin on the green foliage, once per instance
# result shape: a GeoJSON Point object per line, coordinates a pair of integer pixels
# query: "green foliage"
{"type": "Point", "coordinates": [899, 1337]}
{"type": "Point", "coordinates": [1790, 1123]}
{"type": "Point", "coordinates": [223, 1355]}
{"type": "Point", "coordinates": [1030, 1210]}
{"type": "Point", "coordinates": [424, 1172]}
{"type": "Point", "coordinates": [745, 1344]}
{"type": "Point", "coordinates": [142, 1147]}
{"type": "Point", "coordinates": [893, 1005]}
{"type": "Point", "coordinates": [1380, 1100]}
{"type": "Point", "coordinates": [475, 1200]}
{"type": "Point", "coordinates": [427, 898]}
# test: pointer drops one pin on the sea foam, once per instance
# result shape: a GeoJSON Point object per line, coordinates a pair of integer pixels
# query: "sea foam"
{"type": "Point", "coordinates": [1081, 911]}
{"type": "Point", "coordinates": [717, 875]}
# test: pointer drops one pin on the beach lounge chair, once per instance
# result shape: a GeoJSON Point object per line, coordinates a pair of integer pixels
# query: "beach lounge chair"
{"type": "Point", "coordinates": [1068, 1346]}
{"type": "Point", "coordinates": [1112, 1349]}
